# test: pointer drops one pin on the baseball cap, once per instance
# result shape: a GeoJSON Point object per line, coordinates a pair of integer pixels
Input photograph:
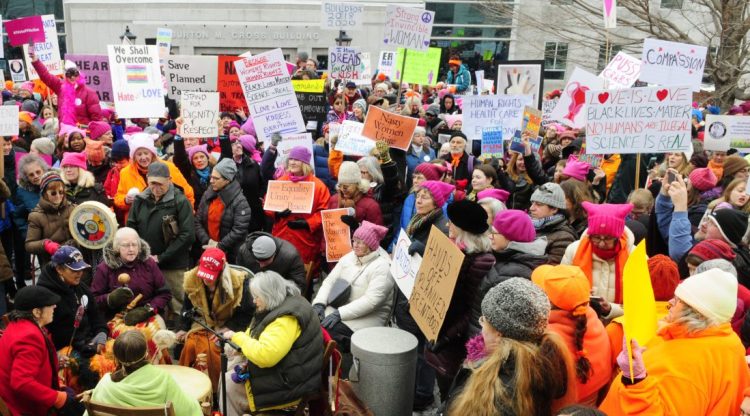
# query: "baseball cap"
{"type": "Point", "coordinates": [69, 257]}
{"type": "Point", "coordinates": [211, 264]}
{"type": "Point", "coordinates": [351, 84]}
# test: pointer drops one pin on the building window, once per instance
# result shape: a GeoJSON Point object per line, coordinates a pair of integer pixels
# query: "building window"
{"type": "Point", "coordinates": [671, 4]}
{"type": "Point", "coordinates": [555, 60]}
{"type": "Point", "coordinates": [605, 58]}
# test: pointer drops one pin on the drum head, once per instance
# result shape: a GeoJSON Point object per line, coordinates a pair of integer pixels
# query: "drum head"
{"type": "Point", "coordinates": [92, 224]}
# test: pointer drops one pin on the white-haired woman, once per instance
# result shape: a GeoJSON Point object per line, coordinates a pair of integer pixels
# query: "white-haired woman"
{"type": "Point", "coordinates": [386, 187]}
{"type": "Point", "coordinates": [282, 350]}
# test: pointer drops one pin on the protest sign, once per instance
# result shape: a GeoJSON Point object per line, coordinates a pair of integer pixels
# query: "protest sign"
{"type": "Point", "coordinates": [638, 120]}
{"type": "Point", "coordinates": [492, 142]}
{"type": "Point", "coordinates": [341, 15]}
{"type": "Point", "coordinates": [200, 110]}
{"type": "Point", "coordinates": [269, 94]}
{"type": "Point", "coordinates": [2, 49]}
{"type": "Point", "coordinates": [289, 142]}
{"type": "Point", "coordinates": [421, 67]}
{"type": "Point", "coordinates": [163, 42]}
{"type": "Point", "coordinates": [479, 76]}
{"type": "Point", "coordinates": [404, 267]}
{"type": "Point", "coordinates": [96, 68]}
{"type": "Point", "coordinates": [532, 122]}
{"type": "Point", "coordinates": [724, 132]}
{"type": "Point", "coordinates": [17, 71]}
{"type": "Point", "coordinates": [365, 69]}
{"type": "Point", "coordinates": [672, 63]}
{"type": "Point", "coordinates": [344, 62]}
{"type": "Point", "coordinates": [190, 73]}
{"type": "Point", "coordinates": [622, 71]}
{"type": "Point", "coordinates": [8, 120]}
{"type": "Point", "coordinates": [571, 109]}
{"type": "Point", "coordinates": [436, 279]}
{"type": "Point", "coordinates": [547, 107]}
{"type": "Point", "coordinates": [312, 106]}
{"type": "Point", "coordinates": [386, 63]}
{"type": "Point", "coordinates": [482, 111]}
{"type": "Point", "coordinates": [47, 51]}
{"type": "Point", "coordinates": [136, 80]}
{"type": "Point", "coordinates": [231, 96]}
{"type": "Point", "coordinates": [337, 235]}
{"type": "Point", "coordinates": [294, 196]}
{"type": "Point", "coordinates": [393, 128]}
{"type": "Point", "coordinates": [350, 140]}
{"type": "Point", "coordinates": [408, 27]}
{"type": "Point", "coordinates": [308, 85]}
{"type": "Point", "coordinates": [25, 30]}
{"type": "Point", "coordinates": [610, 14]}
{"type": "Point", "coordinates": [521, 78]}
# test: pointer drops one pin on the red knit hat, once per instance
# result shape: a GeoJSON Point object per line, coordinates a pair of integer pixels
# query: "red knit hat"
{"type": "Point", "coordinates": [664, 276]}
{"type": "Point", "coordinates": [703, 179]}
{"type": "Point", "coordinates": [607, 219]}
{"type": "Point", "coordinates": [431, 171]}
{"type": "Point", "coordinates": [370, 234]}
{"type": "Point", "coordinates": [713, 249]}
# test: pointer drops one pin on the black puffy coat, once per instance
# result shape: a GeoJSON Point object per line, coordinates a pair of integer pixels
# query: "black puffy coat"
{"type": "Point", "coordinates": [252, 183]}
{"type": "Point", "coordinates": [521, 190]}
{"type": "Point", "coordinates": [390, 196]}
{"type": "Point", "coordinates": [235, 219]}
{"type": "Point", "coordinates": [287, 262]}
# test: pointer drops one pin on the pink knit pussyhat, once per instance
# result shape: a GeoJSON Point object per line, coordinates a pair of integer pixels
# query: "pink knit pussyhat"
{"type": "Point", "coordinates": [607, 219]}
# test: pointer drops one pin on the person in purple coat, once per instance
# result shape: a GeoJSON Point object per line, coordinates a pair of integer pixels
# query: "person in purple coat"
{"type": "Point", "coordinates": [129, 255]}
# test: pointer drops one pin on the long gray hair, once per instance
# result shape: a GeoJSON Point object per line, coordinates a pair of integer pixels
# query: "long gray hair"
{"type": "Point", "coordinates": [29, 159]}
{"type": "Point", "coordinates": [270, 287]}
{"type": "Point", "coordinates": [371, 165]}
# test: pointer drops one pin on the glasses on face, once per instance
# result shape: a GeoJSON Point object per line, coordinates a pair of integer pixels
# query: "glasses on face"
{"type": "Point", "coordinates": [672, 303]}
{"type": "Point", "coordinates": [55, 193]}
{"type": "Point", "coordinates": [601, 239]}
{"type": "Point", "coordinates": [129, 245]}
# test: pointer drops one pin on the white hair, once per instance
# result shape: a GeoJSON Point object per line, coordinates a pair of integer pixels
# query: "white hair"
{"type": "Point", "coordinates": [371, 165]}
{"type": "Point", "coordinates": [272, 289]}
{"type": "Point", "coordinates": [473, 243]}
{"type": "Point", "coordinates": [122, 233]}
{"type": "Point", "coordinates": [419, 130]}
{"type": "Point", "coordinates": [495, 206]}
{"type": "Point", "coordinates": [720, 264]}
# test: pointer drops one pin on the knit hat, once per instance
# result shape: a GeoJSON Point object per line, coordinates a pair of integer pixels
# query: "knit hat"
{"type": "Point", "coordinates": [74, 159]}
{"type": "Point", "coordinates": [227, 168]}
{"type": "Point", "coordinates": [450, 120]}
{"type": "Point", "coordinates": [550, 194]}
{"type": "Point", "coordinates": [197, 149]}
{"type": "Point", "coordinates": [361, 103]}
{"type": "Point", "coordinates": [440, 191]}
{"type": "Point", "coordinates": [133, 129]}
{"type": "Point", "coordinates": [664, 276]}
{"type": "Point", "coordinates": [264, 247]}
{"type": "Point", "coordinates": [731, 222]}
{"type": "Point", "coordinates": [211, 264]}
{"type": "Point", "coordinates": [158, 170]}
{"type": "Point", "coordinates": [702, 179]}
{"type": "Point", "coordinates": [48, 178]}
{"type": "Point", "coordinates": [30, 106]}
{"type": "Point", "coordinates": [370, 234]}
{"type": "Point", "coordinates": [98, 128]}
{"type": "Point", "coordinates": [468, 216]}
{"type": "Point", "coordinates": [141, 141]}
{"type": "Point", "coordinates": [518, 309]}
{"type": "Point", "coordinates": [120, 150]}
{"type": "Point", "coordinates": [26, 116]}
{"type": "Point", "coordinates": [576, 169]}
{"type": "Point", "coordinates": [248, 142]}
{"type": "Point", "coordinates": [433, 109]}
{"type": "Point", "coordinates": [734, 164]}
{"type": "Point", "coordinates": [44, 145]}
{"type": "Point", "coordinates": [566, 286]}
{"type": "Point", "coordinates": [249, 127]}
{"type": "Point", "coordinates": [30, 297]}
{"type": "Point", "coordinates": [713, 249]}
{"type": "Point", "coordinates": [67, 130]}
{"type": "Point", "coordinates": [567, 134]}
{"type": "Point", "coordinates": [607, 219]}
{"type": "Point", "coordinates": [28, 86]}
{"type": "Point", "coordinates": [349, 173]}
{"type": "Point", "coordinates": [500, 194]}
{"type": "Point", "coordinates": [431, 171]}
{"type": "Point", "coordinates": [515, 225]}
{"type": "Point", "coordinates": [94, 152]}
{"type": "Point", "coordinates": [713, 293]}
{"type": "Point", "coordinates": [300, 153]}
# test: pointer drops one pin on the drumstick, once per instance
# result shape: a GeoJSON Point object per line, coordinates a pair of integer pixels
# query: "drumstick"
{"type": "Point", "coordinates": [134, 302]}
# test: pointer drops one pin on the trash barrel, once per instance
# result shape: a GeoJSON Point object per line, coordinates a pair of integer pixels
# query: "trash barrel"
{"type": "Point", "coordinates": [383, 369]}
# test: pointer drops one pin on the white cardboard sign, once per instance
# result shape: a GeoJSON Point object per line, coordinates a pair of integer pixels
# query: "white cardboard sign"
{"type": "Point", "coordinates": [408, 27]}
{"type": "Point", "coordinates": [350, 140]}
{"type": "Point", "coordinates": [190, 73]}
{"type": "Point", "coordinates": [404, 267]}
{"type": "Point", "coordinates": [136, 80]}
{"type": "Point", "coordinates": [725, 132]}
{"type": "Point", "coordinates": [483, 111]}
{"type": "Point", "coordinates": [341, 15]}
{"type": "Point", "coordinates": [673, 63]}
{"type": "Point", "coordinates": [8, 120]}
{"type": "Point", "coordinates": [622, 71]}
{"type": "Point", "coordinates": [386, 62]}
{"type": "Point", "coordinates": [200, 110]}
{"type": "Point", "coordinates": [571, 108]}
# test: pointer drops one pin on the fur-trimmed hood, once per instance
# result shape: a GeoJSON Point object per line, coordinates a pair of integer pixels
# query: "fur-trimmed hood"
{"type": "Point", "coordinates": [112, 257]}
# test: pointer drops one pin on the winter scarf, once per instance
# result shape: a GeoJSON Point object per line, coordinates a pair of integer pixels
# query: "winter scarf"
{"type": "Point", "coordinates": [585, 260]}
{"type": "Point", "coordinates": [294, 178]}
{"type": "Point", "coordinates": [418, 221]}
{"type": "Point", "coordinates": [203, 175]}
{"type": "Point", "coordinates": [543, 222]}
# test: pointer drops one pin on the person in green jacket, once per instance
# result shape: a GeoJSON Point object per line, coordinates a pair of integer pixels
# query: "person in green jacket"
{"type": "Point", "coordinates": [137, 383]}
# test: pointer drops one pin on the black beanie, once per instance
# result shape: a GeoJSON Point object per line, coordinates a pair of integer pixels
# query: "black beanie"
{"type": "Point", "coordinates": [732, 223]}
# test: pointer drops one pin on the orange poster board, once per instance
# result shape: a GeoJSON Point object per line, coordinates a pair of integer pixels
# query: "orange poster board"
{"type": "Point", "coordinates": [337, 235]}
{"type": "Point", "coordinates": [295, 196]}
{"type": "Point", "coordinates": [393, 128]}
{"type": "Point", "coordinates": [230, 90]}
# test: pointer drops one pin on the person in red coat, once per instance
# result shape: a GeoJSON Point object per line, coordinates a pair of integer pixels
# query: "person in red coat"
{"type": "Point", "coordinates": [28, 371]}
{"type": "Point", "coordinates": [353, 193]}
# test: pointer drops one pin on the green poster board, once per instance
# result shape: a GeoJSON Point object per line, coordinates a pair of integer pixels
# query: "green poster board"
{"type": "Point", "coordinates": [421, 67]}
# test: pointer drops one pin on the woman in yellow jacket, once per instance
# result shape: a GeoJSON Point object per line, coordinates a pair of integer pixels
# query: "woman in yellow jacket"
{"type": "Point", "coordinates": [696, 363]}
{"type": "Point", "coordinates": [142, 154]}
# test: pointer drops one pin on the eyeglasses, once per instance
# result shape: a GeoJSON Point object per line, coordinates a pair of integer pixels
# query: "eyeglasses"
{"type": "Point", "coordinates": [129, 245]}
{"type": "Point", "coordinates": [601, 239]}
{"type": "Point", "coordinates": [55, 193]}
{"type": "Point", "coordinates": [672, 303]}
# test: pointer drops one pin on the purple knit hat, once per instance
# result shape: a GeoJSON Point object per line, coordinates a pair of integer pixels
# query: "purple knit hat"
{"type": "Point", "coordinates": [440, 191]}
{"type": "Point", "coordinates": [515, 225]}
{"type": "Point", "coordinates": [576, 169]}
{"type": "Point", "coordinates": [97, 129]}
{"type": "Point", "coordinates": [370, 234]}
{"type": "Point", "coordinates": [500, 194]}
{"type": "Point", "coordinates": [300, 153]}
{"type": "Point", "coordinates": [248, 142]}
{"type": "Point", "coordinates": [197, 149]}
{"type": "Point", "coordinates": [607, 219]}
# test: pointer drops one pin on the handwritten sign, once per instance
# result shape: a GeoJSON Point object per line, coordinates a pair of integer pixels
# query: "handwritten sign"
{"type": "Point", "coordinates": [408, 27]}
{"type": "Point", "coordinates": [547, 107]}
{"type": "Point", "coordinates": [98, 78]}
{"type": "Point", "coordinates": [269, 94]}
{"type": "Point", "coordinates": [593, 160]}
{"type": "Point", "coordinates": [136, 80]}
{"type": "Point", "coordinates": [163, 42]}
{"type": "Point", "coordinates": [404, 267]}
{"type": "Point", "coordinates": [421, 67]}
{"type": "Point", "coordinates": [312, 106]}
{"type": "Point", "coordinates": [638, 120]}
{"type": "Point", "coordinates": [435, 282]}
{"type": "Point", "coordinates": [492, 142]}
{"type": "Point", "coordinates": [350, 140]}
{"type": "Point", "coordinates": [25, 30]}
{"type": "Point", "coordinates": [365, 69]}
{"type": "Point", "coordinates": [481, 111]}
{"type": "Point", "coordinates": [231, 96]}
{"type": "Point", "coordinates": [393, 128]}
{"type": "Point", "coordinates": [308, 85]}
{"type": "Point", "coordinates": [724, 132]}
{"type": "Point", "coordinates": [386, 63]}
{"type": "Point", "coordinates": [8, 120]}
{"type": "Point", "coordinates": [344, 62]}
{"type": "Point", "coordinates": [17, 71]}
{"type": "Point", "coordinates": [341, 15]}
{"type": "Point", "coordinates": [294, 196]}
{"type": "Point", "coordinates": [521, 78]}
{"type": "Point", "coordinates": [191, 73]}
{"type": "Point", "coordinates": [47, 51]}
{"type": "Point", "coordinates": [289, 142]}
{"type": "Point", "coordinates": [622, 71]}
{"type": "Point", "coordinates": [532, 122]}
{"type": "Point", "coordinates": [337, 235]}
{"type": "Point", "coordinates": [673, 63]}
{"type": "Point", "coordinates": [571, 109]}
{"type": "Point", "coordinates": [201, 112]}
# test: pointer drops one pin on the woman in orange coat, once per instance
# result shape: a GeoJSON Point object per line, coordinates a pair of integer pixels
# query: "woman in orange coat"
{"type": "Point", "coordinates": [573, 319]}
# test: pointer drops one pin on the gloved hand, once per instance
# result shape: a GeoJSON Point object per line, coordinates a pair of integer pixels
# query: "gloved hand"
{"type": "Point", "coordinates": [416, 247]}
{"type": "Point", "coordinates": [383, 154]}
{"type": "Point", "coordinates": [138, 315]}
{"type": "Point", "coordinates": [275, 139]}
{"type": "Point", "coordinates": [298, 225]}
{"type": "Point", "coordinates": [320, 309]}
{"type": "Point", "coordinates": [639, 368]}
{"type": "Point", "coordinates": [331, 320]}
{"type": "Point", "coordinates": [119, 298]}
{"type": "Point", "coordinates": [51, 247]}
{"type": "Point", "coordinates": [350, 220]}
{"type": "Point", "coordinates": [283, 214]}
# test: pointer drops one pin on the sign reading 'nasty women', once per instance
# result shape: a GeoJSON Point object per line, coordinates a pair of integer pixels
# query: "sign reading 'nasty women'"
{"type": "Point", "coordinates": [393, 128]}
{"type": "Point", "coordinates": [638, 120]}
{"type": "Point", "coordinates": [672, 63]}
{"type": "Point", "coordinates": [408, 27]}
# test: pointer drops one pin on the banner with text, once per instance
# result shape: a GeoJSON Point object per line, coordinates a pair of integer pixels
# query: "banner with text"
{"type": "Point", "coordinates": [725, 132]}
{"type": "Point", "coordinates": [350, 140]}
{"type": "Point", "coordinates": [571, 108]}
{"type": "Point", "coordinates": [622, 71]}
{"type": "Point", "coordinates": [387, 63]}
{"type": "Point", "coordinates": [421, 67]}
{"type": "Point", "coordinates": [672, 63]}
{"type": "Point", "coordinates": [191, 73]}
{"type": "Point", "coordinates": [25, 30]}
{"type": "Point", "coordinates": [200, 110]}
{"type": "Point", "coordinates": [408, 27]}
{"type": "Point", "coordinates": [98, 78]}
{"type": "Point", "coordinates": [48, 51]}
{"type": "Point", "coordinates": [336, 234]}
{"type": "Point", "coordinates": [393, 128]}
{"type": "Point", "coordinates": [136, 81]}
{"type": "Point", "coordinates": [344, 62]}
{"type": "Point", "coordinates": [404, 267]}
{"type": "Point", "coordinates": [481, 111]}
{"type": "Point", "coordinates": [492, 142]}
{"type": "Point", "coordinates": [8, 120]}
{"type": "Point", "coordinates": [231, 96]}
{"type": "Point", "coordinates": [341, 15]}
{"type": "Point", "coordinates": [294, 196]}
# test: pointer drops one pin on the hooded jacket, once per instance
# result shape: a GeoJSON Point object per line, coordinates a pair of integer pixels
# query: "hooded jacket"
{"type": "Point", "coordinates": [252, 183]}
{"type": "Point", "coordinates": [286, 262]}
{"type": "Point", "coordinates": [235, 218]}
{"type": "Point", "coordinates": [85, 189]}
{"type": "Point", "coordinates": [462, 79]}
{"type": "Point", "coordinates": [47, 222]}
{"type": "Point", "coordinates": [231, 306]}
{"type": "Point", "coordinates": [559, 236]}
{"type": "Point", "coordinates": [87, 106]}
